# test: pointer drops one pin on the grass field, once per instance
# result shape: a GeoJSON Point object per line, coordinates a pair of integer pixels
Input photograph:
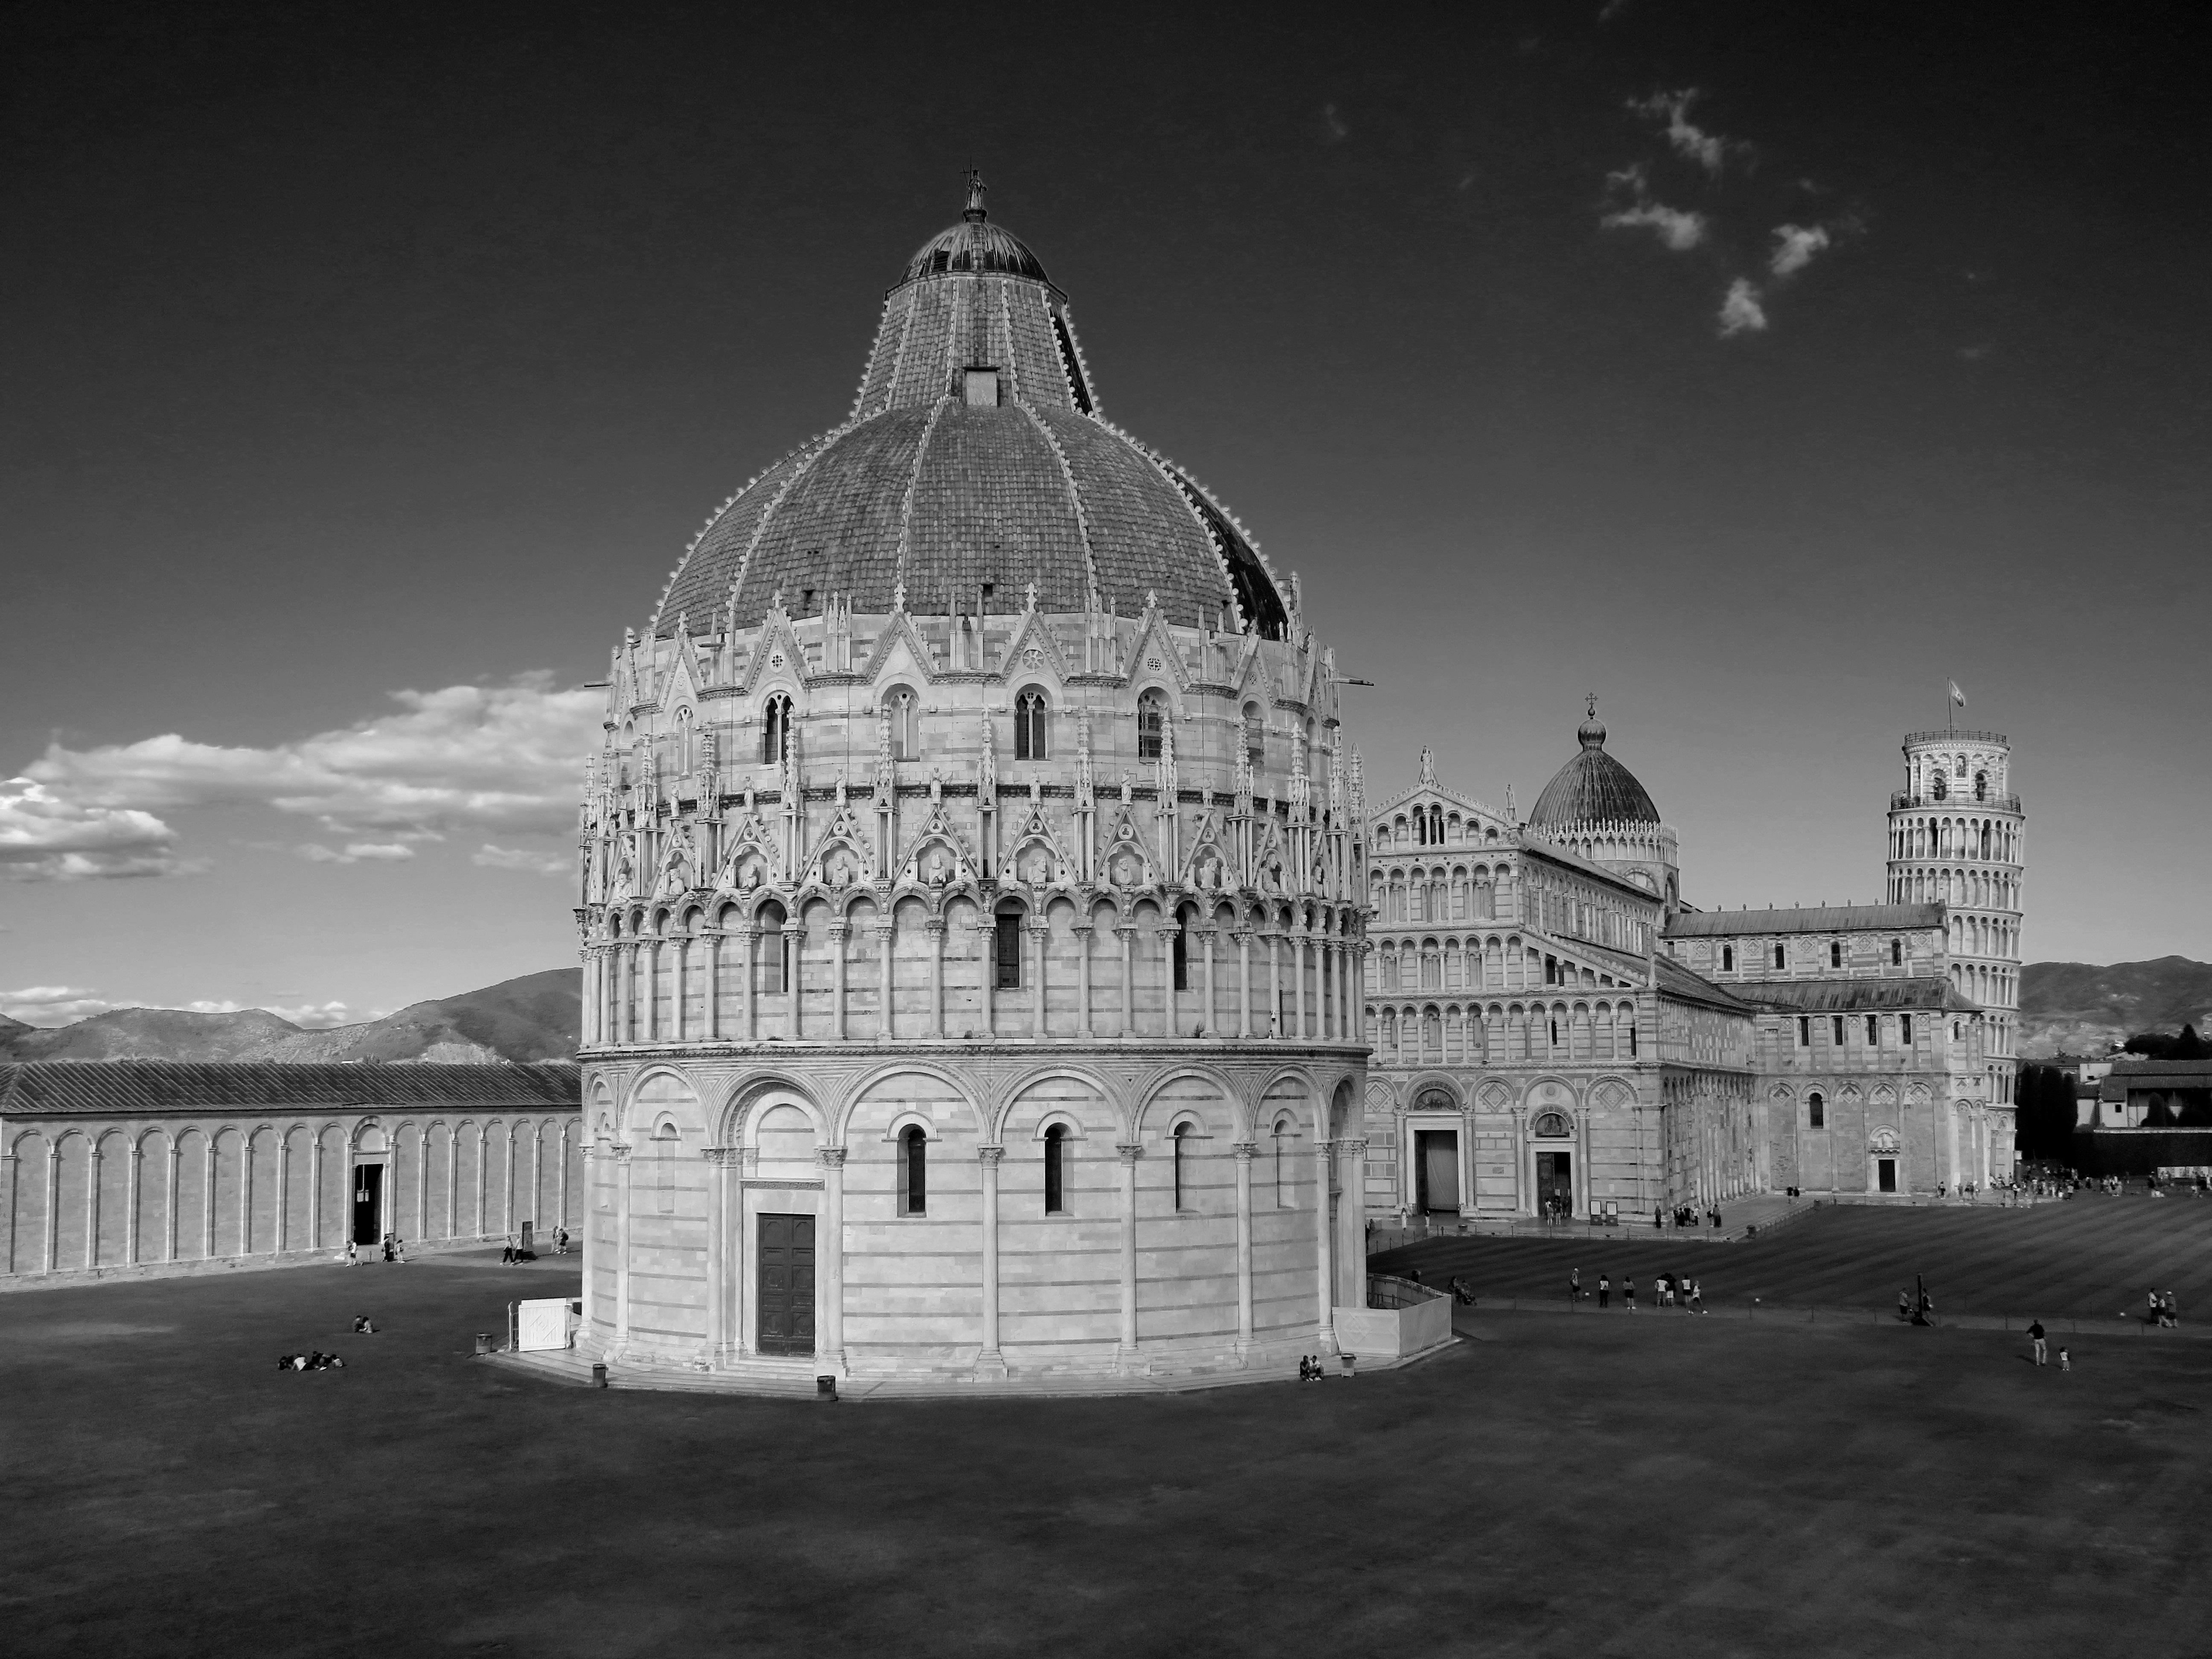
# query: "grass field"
{"type": "Point", "coordinates": [2088, 1258]}
{"type": "Point", "coordinates": [1551, 1485]}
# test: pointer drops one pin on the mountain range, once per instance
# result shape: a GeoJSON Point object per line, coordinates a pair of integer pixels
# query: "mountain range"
{"type": "Point", "coordinates": [533, 1018]}
{"type": "Point", "coordinates": [2064, 1007]}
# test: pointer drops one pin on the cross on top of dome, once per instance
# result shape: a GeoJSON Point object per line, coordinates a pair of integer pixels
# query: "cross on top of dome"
{"type": "Point", "coordinates": [1592, 730]}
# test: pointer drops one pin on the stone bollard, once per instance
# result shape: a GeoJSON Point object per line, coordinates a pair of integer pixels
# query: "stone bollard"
{"type": "Point", "coordinates": [483, 1342]}
{"type": "Point", "coordinates": [1351, 1364]}
{"type": "Point", "coordinates": [598, 1376]}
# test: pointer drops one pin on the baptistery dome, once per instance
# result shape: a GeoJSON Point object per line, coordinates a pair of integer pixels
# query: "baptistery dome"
{"type": "Point", "coordinates": [973, 902]}
{"type": "Point", "coordinates": [976, 454]}
{"type": "Point", "coordinates": [1592, 788]}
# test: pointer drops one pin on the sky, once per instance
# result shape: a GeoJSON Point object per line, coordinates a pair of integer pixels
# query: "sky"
{"type": "Point", "coordinates": [1757, 369]}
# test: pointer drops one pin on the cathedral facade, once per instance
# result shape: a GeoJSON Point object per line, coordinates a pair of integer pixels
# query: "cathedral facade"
{"type": "Point", "coordinates": [1557, 1033]}
{"type": "Point", "coordinates": [973, 893]}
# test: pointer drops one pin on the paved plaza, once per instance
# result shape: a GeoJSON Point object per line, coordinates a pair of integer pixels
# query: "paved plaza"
{"type": "Point", "coordinates": [1550, 1486]}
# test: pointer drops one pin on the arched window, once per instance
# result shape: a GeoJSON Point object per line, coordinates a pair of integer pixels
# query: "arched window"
{"type": "Point", "coordinates": [1181, 1138]}
{"type": "Point", "coordinates": [1897, 953]}
{"type": "Point", "coordinates": [1942, 788]}
{"type": "Point", "coordinates": [1819, 1110]}
{"type": "Point", "coordinates": [1255, 735]}
{"type": "Point", "coordinates": [914, 1171]}
{"type": "Point", "coordinates": [1728, 958]}
{"type": "Point", "coordinates": [898, 709]}
{"type": "Point", "coordinates": [1179, 957]}
{"type": "Point", "coordinates": [1281, 1138]}
{"type": "Point", "coordinates": [1781, 958]}
{"type": "Point", "coordinates": [1029, 725]}
{"type": "Point", "coordinates": [1006, 951]}
{"type": "Point", "coordinates": [683, 742]}
{"type": "Point", "coordinates": [1055, 1170]}
{"type": "Point", "coordinates": [774, 959]}
{"type": "Point", "coordinates": [1835, 953]}
{"type": "Point", "coordinates": [1981, 786]}
{"type": "Point", "coordinates": [776, 726]}
{"type": "Point", "coordinates": [1152, 721]}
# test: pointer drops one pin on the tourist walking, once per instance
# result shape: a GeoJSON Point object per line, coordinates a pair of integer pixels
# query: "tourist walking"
{"type": "Point", "coordinates": [2065, 1360]}
{"type": "Point", "coordinates": [1604, 1291]}
{"type": "Point", "coordinates": [1697, 1296]}
{"type": "Point", "coordinates": [1628, 1294]}
{"type": "Point", "coordinates": [2035, 1335]}
{"type": "Point", "coordinates": [1575, 1284]}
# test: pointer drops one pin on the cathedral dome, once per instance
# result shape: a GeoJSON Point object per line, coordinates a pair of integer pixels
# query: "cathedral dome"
{"type": "Point", "coordinates": [1592, 788]}
{"type": "Point", "coordinates": [975, 454]}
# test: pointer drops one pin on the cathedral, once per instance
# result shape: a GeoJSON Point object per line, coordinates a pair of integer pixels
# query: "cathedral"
{"type": "Point", "coordinates": [994, 972]}
{"type": "Point", "coordinates": [1557, 1034]}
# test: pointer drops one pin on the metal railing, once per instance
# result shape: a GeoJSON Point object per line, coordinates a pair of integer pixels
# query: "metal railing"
{"type": "Point", "coordinates": [1959, 803]}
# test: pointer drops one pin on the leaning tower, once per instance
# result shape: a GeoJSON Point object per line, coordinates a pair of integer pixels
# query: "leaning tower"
{"type": "Point", "coordinates": [1957, 836]}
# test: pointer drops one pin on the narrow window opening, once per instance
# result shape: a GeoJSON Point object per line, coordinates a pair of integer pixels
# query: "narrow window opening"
{"type": "Point", "coordinates": [1804, 1031]}
{"type": "Point", "coordinates": [1819, 1108]}
{"type": "Point", "coordinates": [1282, 1175]}
{"type": "Point", "coordinates": [776, 726]}
{"type": "Point", "coordinates": [1255, 736]}
{"type": "Point", "coordinates": [1835, 953]}
{"type": "Point", "coordinates": [1055, 1170]}
{"type": "Point", "coordinates": [1006, 949]}
{"type": "Point", "coordinates": [1897, 953]}
{"type": "Point", "coordinates": [900, 706]}
{"type": "Point", "coordinates": [914, 1171]}
{"type": "Point", "coordinates": [1182, 1136]}
{"type": "Point", "coordinates": [1029, 726]}
{"type": "Point", "coordinates": [1728, 958]}
{"type": "Point", "coordinates": [1905, 1030]}
{"type": "Point", "coordinates": [1873, 1032]}
{"type": "Point", "coordinates": [1179, 954]}
{"type": "Point", "coordinates": [1781, 958]}
{"type": "Point", "coordinates": [1836, 1021]}
{"type": "Point", "coordinates": [1152, 721]}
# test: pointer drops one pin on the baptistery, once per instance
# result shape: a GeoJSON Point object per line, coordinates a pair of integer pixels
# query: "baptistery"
{"type": "Point", "coordinates": [971, 891]}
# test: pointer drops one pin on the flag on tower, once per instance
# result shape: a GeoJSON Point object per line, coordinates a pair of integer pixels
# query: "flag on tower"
{"type": "Point", "coordinates": [1957, 695]}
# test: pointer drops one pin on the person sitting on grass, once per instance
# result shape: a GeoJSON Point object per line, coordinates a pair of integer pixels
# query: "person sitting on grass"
{"type": "Point", "coordinates": [361, 1326]}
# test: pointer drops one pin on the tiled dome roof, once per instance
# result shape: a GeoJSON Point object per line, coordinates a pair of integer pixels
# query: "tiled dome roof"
{"type": "Point", "coordinates": [943, 480]}
{"type": "Point", "coordinates": [1592, 788]}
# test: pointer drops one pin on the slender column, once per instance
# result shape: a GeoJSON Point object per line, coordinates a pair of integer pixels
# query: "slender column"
{"type": "Point", "coordinates": [1298, 985]}
{"type": "Point", "coordinates": [829, 1260]}
{"type": "Point", "coordinates": [886, 942]}
{"type": "Point", "coordinates": [1274, 987]}
{"type": "Point", "coordinates": [678, 974]}
{"type": "Point", "coordinates": [989, 1359]}
{"type": "Point", "coordinates": [713, 992]}
{"type": "Point", "coordinates": [92, 1204]}
{"type": "Point", "coordinates": [1130, 1154]}
{"type": "Point", "coordinates": [1243, 938]}
{"type": "Point", "coordinates": [747, 937]}
{"type": "Point", "coordinates": [484, 1157]}
{"type": "Point", "coordinates": [718, 1255]}
{"type": "Point", "coordinates": [744, 1338]}
{"type": "Point", "coordinates": [1351, 1226]}
{"type": "Point", "coordinates": [1083, 931]}
{"type": "Point", "coordinates": [423, 1183]}
{"type": "Point", "coordinates": [54, 1202]}
{"type": "Point", "coordinates": [793, 941]}
{"type": "Point", "coordinates": [244, 1195]}
{"type": "Point", "coordinates": [1128, 938]}
{"type": "Point", "coordinates": [1170, 1004]}
{"type": "Point", "coordinates": [284, 1185]}
{"type": "Point", "coordinates": [1324, 983]}
{"type": "Point", "coordinates": [1324, 1246]}
{"type": "Point", "coordinates": [560, 1181]}
{"type": "Point", "coordinates": [839, 933]}
{"type": "Point", "coordinates": [454, 1180]}
{"type": "Point", "coordinates": [937, 976]}
{"type": "Point", "coordinates": [986, 953]}
{"type": "Point", "coordinates": [621, 1247]}
{"type": "Point", "coordinates": [1246, 1150]}
{"type": "Point", "coordinates": [1041, 934]}
{"type": "Point", "coordinates": [629, 1008]}
{"type": "Point", "coordinates": [1213, 1011]}
{"type": "Point", "coordinates": [130, 1198]}
{"type": "Point", "coordinates": [650, 962]}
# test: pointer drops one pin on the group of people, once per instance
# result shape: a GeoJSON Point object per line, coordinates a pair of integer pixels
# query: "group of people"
{"type": "Point", "coordinates": [513, 1250]}
{"type": "Point", "coordinates": [393, 1246]}
{"type": "Point", "coordinates": [1687, 1215]}
{"type": "Point", "coordinates": [1670, 1290]}
{"type": "Point", "coordinates": [2036, 1336]}
{"type": "Point", "coordinates": [1309, 1368]}
{"type": "Point", "coordinates": [2164, 1311]}
{"type": "Point", "coordinates": [314, 1360]}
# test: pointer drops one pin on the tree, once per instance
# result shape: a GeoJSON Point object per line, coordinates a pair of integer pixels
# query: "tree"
{"type": "Point", "coordinates": [2043, 1114]}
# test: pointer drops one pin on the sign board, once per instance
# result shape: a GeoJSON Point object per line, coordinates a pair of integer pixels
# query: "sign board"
{"type": "Point", "coordinates": [539, 1325]}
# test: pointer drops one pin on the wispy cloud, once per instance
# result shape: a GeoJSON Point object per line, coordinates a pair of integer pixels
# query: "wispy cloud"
{"type": "Point", "coordinates": [521, 858]}
{"type": "Point", "coordinates": [48, 834]}
{"type": "Point", "coordinates": [1710, 150]}
{"type": "Point", "coordinates": [1337, 129]}
{"type": "Point", "coordinates": [1679, 230]}
{"type": "Point", "coordinates": [1795, 246]}
{"type": "Point", "coordinates": [501, 757]}
{"type": "Point", "coordinates": [1740, 311]}
{"type": "Point", "coordinates": [356, 853]}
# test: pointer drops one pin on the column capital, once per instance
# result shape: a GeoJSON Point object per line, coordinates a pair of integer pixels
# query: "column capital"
{"type": "Point", "coordinates": [989, 1155]}
{"type": "Point", "coordinates": [840, 931]}
{"type": "Point", "coordinates": [935, 925]}
{"type": "Point", "coordinates": [1245, 1151]}
{"type": "Point", "coordinates": [722, 1157]}
{"type": "Point", "coordinates": [831, 1157]}
{"type": "Point", "coordinates": [1130, 1150]}
{"type": "Point", "coordinates": [1353, 1148]}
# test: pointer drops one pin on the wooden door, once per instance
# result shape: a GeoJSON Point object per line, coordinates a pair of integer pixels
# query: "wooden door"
{"type": "Point", "coordinates": [1555, 1180]}
{"type": "Point", "coordinates": [1437, 1170]}
{"type": "Point", "coordinates": [786, 1285]}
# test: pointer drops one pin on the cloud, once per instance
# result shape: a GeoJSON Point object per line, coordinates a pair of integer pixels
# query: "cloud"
{"type": "Point", "coordinates": [355, 853]}
{"type": "Point", "coordinates": [520, 858]}
{"type": "Point", "coordinates": [52, 1006]}
{"type": "Point", "coordinates": [1740, 311]}
{"type": "Point", "coordinates": [1708, 150]}
{"type": "Point", "coordinates": [46, 835]}
{"type": "Point", "coordinates": [1679, 230]}
{"type": "Point", "coordinates": [500, 757]}
{"type": "Point", "coordinates": [1795, 246]}
{"type": "Point", "coordinates": [1337, 131]}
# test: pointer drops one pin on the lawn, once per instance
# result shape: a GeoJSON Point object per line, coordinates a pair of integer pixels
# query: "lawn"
{"type": "Point", "coordinates": [2088, 1258]}
{"type": "Point", "coordinates": [1550, 1485]}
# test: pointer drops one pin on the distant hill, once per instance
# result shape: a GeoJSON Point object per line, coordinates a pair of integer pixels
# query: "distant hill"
{"type": "Point", "coordinates": [2076, 1007]}
{"type": "Point", "coordinates": [533, 1018]}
